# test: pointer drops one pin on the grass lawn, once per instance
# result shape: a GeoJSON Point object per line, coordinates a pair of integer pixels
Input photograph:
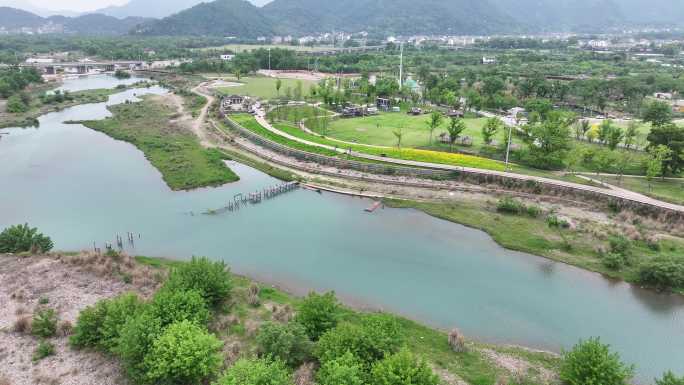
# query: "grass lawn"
{"type": "Point", "coordinates": [176, 153]}
{"type": "Point", "coordinates": [264, 87]}
{"type": "Point", "coordinates": [473, 365]}
{"type": "Point", "coordinates": [379, 130]}
{"type": "Point", "coordinates": [667, 190]}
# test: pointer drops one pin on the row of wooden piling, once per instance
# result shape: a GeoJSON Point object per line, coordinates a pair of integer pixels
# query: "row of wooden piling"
{"type": "Point", "coordinates": [241, 200]}
{"type": "Point", "coordinates": [119, 242]}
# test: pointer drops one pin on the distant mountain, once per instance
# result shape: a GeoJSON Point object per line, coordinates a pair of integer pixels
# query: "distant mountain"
{"type": "Point", "coordinates": [388, 16]}
{"type": "Point", "coordinates": [219, 18]}
{"type": "Point", "coordinates": [13, 19]}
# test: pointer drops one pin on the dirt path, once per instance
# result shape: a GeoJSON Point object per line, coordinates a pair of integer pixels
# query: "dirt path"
{"type": "Point", "coordinates": [198, 124]}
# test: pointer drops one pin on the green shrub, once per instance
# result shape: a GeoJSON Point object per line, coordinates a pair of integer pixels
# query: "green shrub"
{"type": "Point", "coordinates": [620, 244]}
{"type": "Point", "coordinates": [287, 343]}
{"type": "Point", "coordinates": [22, 238]}
{"type": "Point", "coordinates": [533, 211]}
{"type": "Point", "coordinates": [553, 221]}
{"type": "Point", "coordinates": [183, 354]}
{"type": "Point", "coordinates": [510, 206]}
{"type": "Point", "coordinates": [403, 368]}
{"type": "Point", "coordinates": [670, 379]}
{"type": "Point", "coordinates": [318, 314]}
{"type": "Point", "coordinates": [666, 272]}
{"type": "Point", "coordinates": [16, 105]}
{"type": "Point", "coordinates": [614, 261]}
{"type": "Point", "coordinates": [256, 372]}
{"type": "Point", "coordinates": [135, 341]}
{"type": "Point", "coordinates": [99, 326]}
{"type": "Point", "coordinates": [44, 349]}
{"type": "Point", "coordinates": [344, 370]}
{"type": "Point", "coordinates": [591, 362]}
{"type": "Point", "coordinates": [44, 323]}
{"type": "Point", "coordinates": [377, 336]}
{"type": "Point", "coordinates": [211, 279]}
{"type": "Point", "coordinates": [175, 306]}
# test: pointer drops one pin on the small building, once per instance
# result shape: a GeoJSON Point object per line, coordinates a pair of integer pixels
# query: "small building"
{"type": "Point", "coordinates": [488, 60]}
{"type": "Point", "coordinates": [383, 104]}
{"type": "Point", "coordinates": [227, 57]}
{"type": "Point", "coordinates": [456, 114]}
{"type": "Point", "coordinates": [663, 95]}
{"type": "Point", "coordinates": [235, 103]}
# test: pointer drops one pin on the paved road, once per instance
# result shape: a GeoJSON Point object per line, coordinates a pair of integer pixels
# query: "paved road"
{"type": "Point", "coordinates": [618, 193]}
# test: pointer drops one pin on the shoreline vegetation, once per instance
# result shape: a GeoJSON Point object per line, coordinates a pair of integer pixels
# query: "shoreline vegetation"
{"type": "Point", "coordinates": [150, 126]}
{"type": "Point", "coordinates": [42, 103]}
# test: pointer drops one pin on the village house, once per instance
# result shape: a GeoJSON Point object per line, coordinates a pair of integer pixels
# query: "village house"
{"type": "Point", "coordinates": [236, 103]}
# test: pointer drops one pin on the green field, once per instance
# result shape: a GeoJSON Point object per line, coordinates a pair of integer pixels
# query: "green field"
{"type": "Point", "coordinates": [379, 130]}
{"type": "Point", "coordinates": [176, 153]}
{"type": "Point", "coordinates": [264, 87]}
{"type": "Point", "coordinates": [668, 190]}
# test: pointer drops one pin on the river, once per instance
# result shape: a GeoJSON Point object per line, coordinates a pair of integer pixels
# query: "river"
{"type": "Point", "coordinates": [80, 186]}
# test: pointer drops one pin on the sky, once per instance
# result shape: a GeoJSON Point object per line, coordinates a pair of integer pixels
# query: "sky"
{"type": "Point", "coordinates": [68, 5]}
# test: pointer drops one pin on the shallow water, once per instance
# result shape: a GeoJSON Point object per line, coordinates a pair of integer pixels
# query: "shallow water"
{"type": "Point", "coordinates": [80, 187]}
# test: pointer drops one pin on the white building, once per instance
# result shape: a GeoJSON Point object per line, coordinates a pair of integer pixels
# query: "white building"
{"type": "Point", "coordinates": [227, 57]}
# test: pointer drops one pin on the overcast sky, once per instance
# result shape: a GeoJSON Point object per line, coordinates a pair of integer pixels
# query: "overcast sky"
{"type": "Point", "coordinates": [73, 5]}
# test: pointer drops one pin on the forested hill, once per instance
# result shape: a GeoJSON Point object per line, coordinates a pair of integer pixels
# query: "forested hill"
{"type": "Point", "coordinates": [298, 17]}
{"type": "Point", "coordinates": [388, 16]}
{"type": "Point", "coordinates": [92, 24]}
{"type": "Point", "coordinates": [219, 18]}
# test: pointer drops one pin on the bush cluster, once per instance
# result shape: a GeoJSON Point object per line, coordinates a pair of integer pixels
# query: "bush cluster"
{"type": "Point", "coordinates": [23, 238]}
{"type": "Point", "coordinates": [509, 205]}
{"type": "Point", "coordinates": [592, 362]}
{"type": "Point", "coordinates": [152, 337]}
{"type": "Point", "coordinates": [318, 314]}
{"type": "Point", "coordinates": [44, 323]}
{"type": "Point", "coordinates": [666, 272]}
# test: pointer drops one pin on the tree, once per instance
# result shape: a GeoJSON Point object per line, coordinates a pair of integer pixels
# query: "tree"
{"type": "Point", "coordinates": [603, 161]}
{"type": "Point", "coordinates": [657, 113]}
{"type": "Point", "coordinates": [318, 314]}
{"type": "Point", "coordinates": [287, 343]}
{"type": "Point", "coordinates": [22, 238]}
{"type": "Point", "coordinates": [456, 127]}
{"type": "Point", "coordinates": [655, 164]}
{"type": "Point", "coordinates": [403, 368]}
{"type": "Point", "coordinates": [615, 137]}
{"type": "Point", "coordinates": [490, 128]}
{"type": "Point", "coordinates": [670, 379]}
{"type": "Point", "coordinates": [298, 92]}
{"type": "Point", "coordinates": [434, 122]}
{"type": "Point", "coordinates": [183, 354]}
{"type": "Point", "coordinates": [16, 105]}
{"type": "Point", "coordinates": [631, 134]}
{"type": "Point", "coordinates": [591, 362]}
{"type": "Point", "coordinates": [581, 129]}
{"type": "Point", "coordinates": [345, 370]}
{"type": "Point", "coordinates": [210, 279]}
{"type": "Point", "coordinates": [256, 372]}
{"type": "Point", "coordinates": [604, 131]}
{"type": "Point", "coordinates": [548, 141]}
{"type": "Point", "coordinates": [672, 137]}
{"type": "Point", "coordinates": [399, 134]}
{"type": "Point", "coordinates": [278, 85]}
{"type": "Point", "coordinates": [171, 306]}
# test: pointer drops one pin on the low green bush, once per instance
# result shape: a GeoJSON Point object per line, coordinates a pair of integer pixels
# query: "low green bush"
{"type": "Point", "coordinates": [619, 244]}
{"type": "Point", "coordinates": [403, 368]}
{"type": "Point", "coordinates": [555, 222]}
{"type": "Point", "coordinates": [210, 279]}
{"type": "Point", "coordinates": [256, 372]}
{"type": "Point", "coordinates": [666, 272]}
{"type": "Point", "coordinates": [510, 206]}
{"type": "Point", "coordinates": [44, 349]}
{"type": "Point", "coordinates": [614, 261]}
{"type": "Point", "coordinates": [99, 326]}
{"type": "Point", "coordinates": [135, 341]}
{"type": "Point", "coordinates": [184, 353]}
{"type": "Point", "coordinates": [285, 342]}
{"type": "Point", "coordinates": [344, 370]}
{"type": "Point", "coordinates": [318, 314]}
{"type": "Point", "coordinates": [377, 336]}
{"type": "Point", "coordinates": [44, 323]}
{"type": "Point", "coordinates": [591, 362]}
{"type": "Point", "coordinates": [22, 238]}
{"type": "Point", "coordinates": [171, 306]}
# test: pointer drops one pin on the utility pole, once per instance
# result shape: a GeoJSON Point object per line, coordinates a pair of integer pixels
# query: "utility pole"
{"type": "Point", "coordinates": [401, 64]}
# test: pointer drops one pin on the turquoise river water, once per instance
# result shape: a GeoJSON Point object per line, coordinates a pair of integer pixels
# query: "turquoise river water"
{"type": "Point", "coordinates": [80, 186]}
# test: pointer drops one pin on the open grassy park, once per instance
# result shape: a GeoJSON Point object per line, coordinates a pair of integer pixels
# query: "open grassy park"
{"type": "Point", "coordinates": [263, 87]}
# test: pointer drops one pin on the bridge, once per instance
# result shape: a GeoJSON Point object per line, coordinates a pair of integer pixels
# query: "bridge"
{"type": "Point", "coordinates": [85, 67]}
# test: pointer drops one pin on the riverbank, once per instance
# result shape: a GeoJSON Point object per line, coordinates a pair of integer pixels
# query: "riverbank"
{"type": "Point", "coordinates": [60, 288]}
{"type": "Point", "coordinates": [154, 126]}
{"type": "Point", "coordinates": [41, 104]}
